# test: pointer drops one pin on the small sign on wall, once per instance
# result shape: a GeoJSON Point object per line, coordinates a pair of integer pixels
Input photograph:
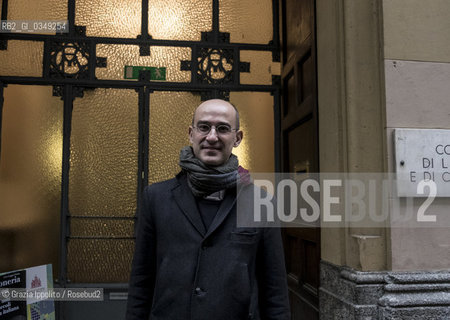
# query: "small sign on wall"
{"type": "Point", "coordinates": [155, 73]}
{"type": "Point", "coordinates": [422, 155]}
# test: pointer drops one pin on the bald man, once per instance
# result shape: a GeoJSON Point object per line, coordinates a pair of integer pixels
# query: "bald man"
{"type": "Point", "coordinates": [191, 261]}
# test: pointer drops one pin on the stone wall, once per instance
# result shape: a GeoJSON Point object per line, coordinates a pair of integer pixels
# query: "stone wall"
{"type": "Point", "coordinates": [355, 295]}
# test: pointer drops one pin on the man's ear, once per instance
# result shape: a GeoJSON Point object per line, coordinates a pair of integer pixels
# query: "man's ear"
{"type": "Point", "coordinates": [239, 137]}
{"type": "Point", "coordinates": [190, 134]}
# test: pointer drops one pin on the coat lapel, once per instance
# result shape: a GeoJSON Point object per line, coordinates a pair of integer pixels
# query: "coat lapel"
{"type": "Point", "coordinates": [224, 209]}
{"type": "Point", "coordinates": [186, 202]}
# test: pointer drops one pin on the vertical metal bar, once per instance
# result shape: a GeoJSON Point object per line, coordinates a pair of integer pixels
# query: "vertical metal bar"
{"type": "Point", "coordinates": [71, 16]}
{"type": "Point", "coordinates": [4, 10]}
{"type": "Point", "coordinates": [92, 59]}
{"type": "Point", "coordinates": [67, 128]}
{"type": "Point", "coordinates": [144, 120]}
{"type": "Point", "coordinates": [144, 107]}
{"type": "Point", "coordinates": [283, 32]}
{"type": "Point", "coordinates": [144, 49]}
{"type": "Point", "coordinates": [277, 129]}
{"type": "Point", "coordinates": [140, 173]}
{"type": "Point", "coordinates": [215, 22]}
{"type": "Point", "coordinates": [4, 16]}
{"type": "Point", "coordinates": [144, 22]}
{"type": "Point", "coordinates": [146, 136]}
{"type": "Point", "coordinates": [236, 66]}
{"type": "Point", "coordinates": [1, 115]}
{"type": "Point", "coordinates": [276, 30]}
{"type": "Point", "coordinates": [46, 60]}
{"type": "Point", "coordinates": [194, 64]}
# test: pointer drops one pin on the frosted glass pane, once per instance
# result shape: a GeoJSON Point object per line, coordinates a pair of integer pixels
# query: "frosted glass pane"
{"type": "Point", "coordinates": [109, 18]}
{"type": "Point", "coordinates": [256, 152]}
{"type": "Point", "coordinates": [120, 56]}
{"type": "Point", "coordinates": [170, 117]}
{"type": "Point", "coordinates": [101, 227]}
{"type": "Point", "coordinates": [99, 261]}
{"type": "Point", "coordinates": [23, 58]}
{"type": "Point", "coordinates": [104, 153]}
{"type": "Point", "coordinates": [30, 177]}
{"type": "Point", "coordinates": [179, 19]}
{"type": "Point", "coordinates": [248, 21]}
{"type": "Point", "coordinates": [261, 67]}
{"type": "Point", "coordinates": [37, 10]}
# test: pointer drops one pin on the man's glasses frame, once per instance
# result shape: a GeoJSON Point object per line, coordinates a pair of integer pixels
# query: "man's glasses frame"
{"type": "Point", "coordinates": [221, 129]}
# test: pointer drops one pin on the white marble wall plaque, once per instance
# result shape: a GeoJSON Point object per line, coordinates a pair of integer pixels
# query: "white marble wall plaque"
{"type": "Point", "coordinates": [422, 154]}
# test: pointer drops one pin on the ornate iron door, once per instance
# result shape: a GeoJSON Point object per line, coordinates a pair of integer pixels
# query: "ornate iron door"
{"type": "Point", "coordinates": [114, 111]}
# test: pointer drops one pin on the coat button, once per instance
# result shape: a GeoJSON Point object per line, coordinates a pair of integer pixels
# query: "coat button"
{"type": "Point", "coordinates": [198, 290]}
{"type": "Point", "coordinates": [206, 244]}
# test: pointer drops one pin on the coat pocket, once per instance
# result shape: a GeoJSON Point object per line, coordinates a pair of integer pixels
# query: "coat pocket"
{"type": "Point", "coordinates": [244, 236]}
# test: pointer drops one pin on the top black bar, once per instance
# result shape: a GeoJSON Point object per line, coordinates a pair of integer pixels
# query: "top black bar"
{"type": "Point", "coordinates": [151, 42]}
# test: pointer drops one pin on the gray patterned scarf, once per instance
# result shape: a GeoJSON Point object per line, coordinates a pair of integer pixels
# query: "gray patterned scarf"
{"type": "Point", "coordinates": [203, 179]}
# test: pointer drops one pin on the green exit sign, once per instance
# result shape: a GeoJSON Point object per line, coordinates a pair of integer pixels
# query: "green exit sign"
{"type": "Point", "coordinates": [132, 72]}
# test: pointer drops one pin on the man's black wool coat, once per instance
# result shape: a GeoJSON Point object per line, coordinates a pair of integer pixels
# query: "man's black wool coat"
{"type": "Point", "coordinates": [182, 271]}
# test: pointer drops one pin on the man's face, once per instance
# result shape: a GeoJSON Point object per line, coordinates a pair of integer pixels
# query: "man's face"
{"type": "Point", "coordinates": [214, 148]}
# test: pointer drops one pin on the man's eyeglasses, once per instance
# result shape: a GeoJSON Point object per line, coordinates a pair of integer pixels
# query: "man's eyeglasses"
{"type": "Point", "coordinates": [222, 129]}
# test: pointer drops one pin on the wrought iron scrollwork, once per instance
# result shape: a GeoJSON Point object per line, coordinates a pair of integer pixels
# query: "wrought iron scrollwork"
{"type": "Point", "coordinates": [69, 60]}
{"type": "Point", "coordinates": [215, 66]}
